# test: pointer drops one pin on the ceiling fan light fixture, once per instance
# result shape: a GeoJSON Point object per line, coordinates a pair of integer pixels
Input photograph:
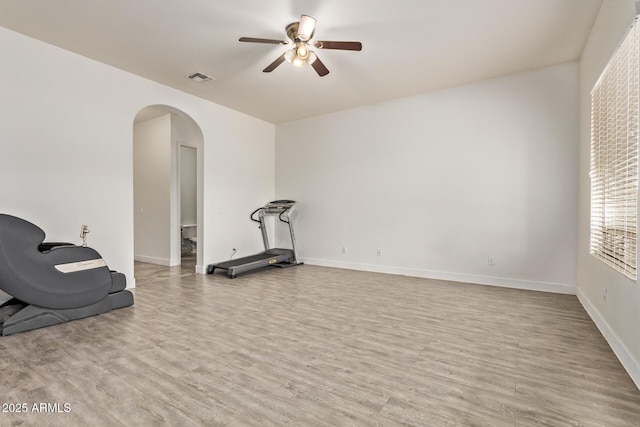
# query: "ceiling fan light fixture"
{"type": "Point", "coordinates": [292, 57]}
{"type": "Point", "coordinates": [306, 27]}
{"type": "Point", "coordinates": [298, 55]}
{"type": "Point", "coordinates": [302, 51]}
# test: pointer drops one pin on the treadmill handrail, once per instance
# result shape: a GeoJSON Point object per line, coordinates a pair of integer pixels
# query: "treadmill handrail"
{"type": "Point", "coordinates": [284, 211]}
{"type": "Point", "coordinates": [252, 214]}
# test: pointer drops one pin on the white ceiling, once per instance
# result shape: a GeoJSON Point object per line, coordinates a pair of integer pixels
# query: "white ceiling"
{"type": "Point", "coordinates": [409, 46]}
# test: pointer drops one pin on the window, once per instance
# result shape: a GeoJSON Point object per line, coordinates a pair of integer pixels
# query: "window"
{"type": "Point", "coordinates": [614, 159]}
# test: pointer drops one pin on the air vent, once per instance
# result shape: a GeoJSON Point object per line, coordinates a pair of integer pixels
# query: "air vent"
{"type": "Point", "coordinates": [200, 78]}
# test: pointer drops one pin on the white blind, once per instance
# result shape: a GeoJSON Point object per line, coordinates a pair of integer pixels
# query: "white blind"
{"type": "Point", "coordinates": [614, 159]}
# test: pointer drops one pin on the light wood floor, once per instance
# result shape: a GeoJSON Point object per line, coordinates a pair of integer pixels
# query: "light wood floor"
{"type": "Point", "coordinates": [315, 346]}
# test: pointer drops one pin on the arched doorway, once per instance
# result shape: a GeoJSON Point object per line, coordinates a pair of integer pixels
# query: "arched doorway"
{"type": "Point", "coordinates": [167, 145]}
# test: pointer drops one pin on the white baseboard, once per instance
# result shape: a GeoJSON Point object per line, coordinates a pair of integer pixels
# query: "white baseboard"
{"type": "Point", "coordinates": [630, 363]}
{"type": "Point", "coordinates": [560, 288]}
{"type": "Point", "coordinates": [155, 260]}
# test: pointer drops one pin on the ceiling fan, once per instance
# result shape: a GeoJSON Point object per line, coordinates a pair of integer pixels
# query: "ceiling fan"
{"type": "Point", "coordinates": [300, 35]}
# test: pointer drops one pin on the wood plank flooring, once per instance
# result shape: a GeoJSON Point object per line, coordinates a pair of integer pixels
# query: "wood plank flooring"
{"type": "Point", "coordinates": [316, 346]}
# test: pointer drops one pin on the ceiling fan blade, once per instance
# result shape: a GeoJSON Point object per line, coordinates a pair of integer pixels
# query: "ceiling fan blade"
{"type": "Point", "coordinates": [258, 40]}
{"type": "Point", "coordinates": [306, 27]}
{"type": "Point", "coordinates": [274, 64]}
{"type": "Point", "coordinates": [327, 44]}
{"type": "Point", "coordinates": [317, 65]}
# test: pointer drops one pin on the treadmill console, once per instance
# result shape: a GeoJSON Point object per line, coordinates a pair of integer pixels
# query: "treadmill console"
{"type": "Point", "coordinates": [278, 206]}
{"type": "Point", "coordinates": [280, 203]}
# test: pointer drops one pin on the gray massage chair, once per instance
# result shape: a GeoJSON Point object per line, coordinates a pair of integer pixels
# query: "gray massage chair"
{"type": "Point", "coordinates": [52, 283]}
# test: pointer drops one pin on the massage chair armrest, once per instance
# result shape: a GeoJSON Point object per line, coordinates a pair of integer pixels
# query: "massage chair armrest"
{"type": "Point", "coordinates": [67, 254]}
{"type": "Point", "coordinates": [47, 246]}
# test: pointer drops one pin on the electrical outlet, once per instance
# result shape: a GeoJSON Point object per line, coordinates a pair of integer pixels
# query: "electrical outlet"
{"type": "Point", "coordinates": [491, 261]}
{"type": "Point", "coordinates": [379, 252]}
{"type": "Point", "coordinates": [344, 250]}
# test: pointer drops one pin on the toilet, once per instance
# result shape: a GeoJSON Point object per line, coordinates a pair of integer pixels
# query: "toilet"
{"type": "Point", "coordinates": [189, 233]}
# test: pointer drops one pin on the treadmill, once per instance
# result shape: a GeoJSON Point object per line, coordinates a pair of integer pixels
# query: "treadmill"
{"type": "Point", "coordinates": [271, 257]}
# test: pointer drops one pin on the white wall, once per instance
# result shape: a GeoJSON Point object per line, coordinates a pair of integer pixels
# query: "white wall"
{"type": "Point", "coordinates": [440, 182]}
{"type": "Point", "coordinates": [66, 126]}
{"type": "Point", "coordinates": [619, 316]}
{"type": "Point", "coordinates": [151, 195]}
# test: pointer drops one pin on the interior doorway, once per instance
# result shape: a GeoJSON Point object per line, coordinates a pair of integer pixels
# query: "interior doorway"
{"type": "Point", "coordinates": [163, 139]}
{"type": "Point", "coordinates": [187, 187]}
